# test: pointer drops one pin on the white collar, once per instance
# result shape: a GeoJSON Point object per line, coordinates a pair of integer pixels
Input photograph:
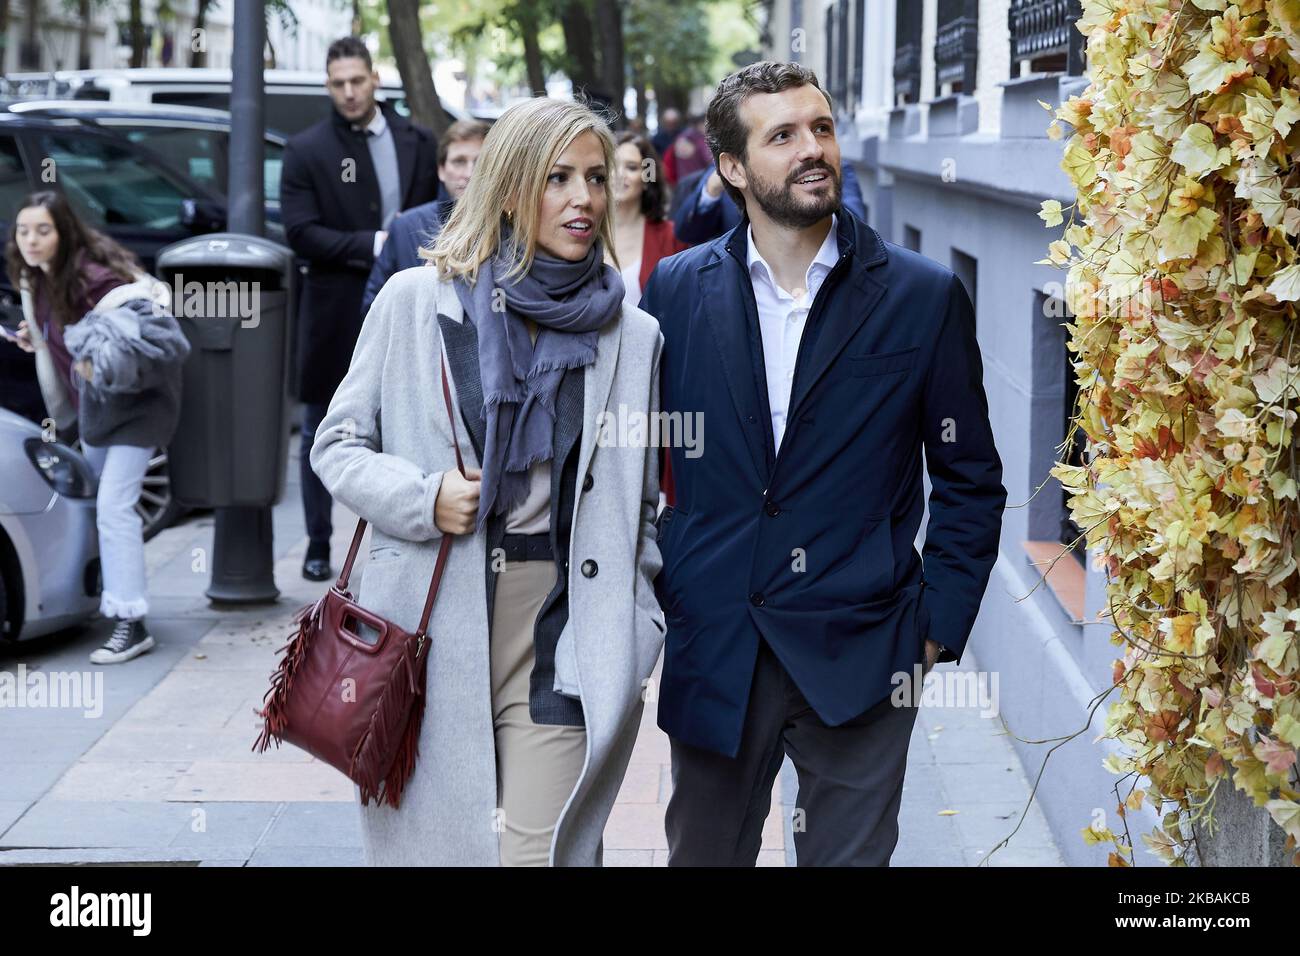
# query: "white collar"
{"type": "Point", "coordinates": [827, 255]}
{"type": "Point", "coordinates": [377, 124]}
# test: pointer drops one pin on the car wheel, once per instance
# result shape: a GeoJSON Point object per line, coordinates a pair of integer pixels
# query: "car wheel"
{"type": "Point", "coordinates": [157, 508]}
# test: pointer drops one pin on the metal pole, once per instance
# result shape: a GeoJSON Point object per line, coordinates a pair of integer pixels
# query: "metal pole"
{"type": "Point", "coordinates": [242, 553]}
{"type": "Point", "coordinates": [247, 129]}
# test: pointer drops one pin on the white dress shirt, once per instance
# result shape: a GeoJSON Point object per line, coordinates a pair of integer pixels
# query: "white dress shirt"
{"type": "Point", "coordinates": [781, 319]}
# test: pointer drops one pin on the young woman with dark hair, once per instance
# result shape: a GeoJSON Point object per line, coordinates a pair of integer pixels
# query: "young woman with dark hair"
{"type": "Point", "coordinates": [108, 355]}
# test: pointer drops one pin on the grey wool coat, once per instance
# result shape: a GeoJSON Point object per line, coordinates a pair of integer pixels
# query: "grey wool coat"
{"type": "Point", "coordinates": [381, 450]}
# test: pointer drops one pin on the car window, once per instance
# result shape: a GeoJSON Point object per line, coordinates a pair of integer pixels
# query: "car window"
{"type": "Point", "coordinates": [212, 99]}
{"type": "Point", "coordinates": [14, 186]}
{"type": "Point", "coordinates": [272, 162]}
{"type": "Point", "coordinates": [110, 186]}
{"type": "Point", "coordinates": [199, 153]}
{"type": "Point", "coordinates": [293, 112]}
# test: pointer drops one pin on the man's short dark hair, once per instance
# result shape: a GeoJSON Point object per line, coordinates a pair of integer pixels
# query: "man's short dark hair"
{"type": "Point", "coordinates": [461, 131]}
{"type": "Point", "coordinates": [726, 131]}
{"type": "Point", "coordinates": [347, 47]}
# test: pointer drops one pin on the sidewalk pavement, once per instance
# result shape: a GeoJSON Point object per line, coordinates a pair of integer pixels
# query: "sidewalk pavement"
{"type": "Point", "coordinates": [165, 773]}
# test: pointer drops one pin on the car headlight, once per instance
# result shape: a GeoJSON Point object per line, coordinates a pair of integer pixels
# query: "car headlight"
{"type": "Point", "coordinates": [62, 468]}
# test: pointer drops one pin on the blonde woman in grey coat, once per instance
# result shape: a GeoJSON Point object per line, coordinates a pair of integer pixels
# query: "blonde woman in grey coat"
{"type": "Point", "coordinates": [546, 626]}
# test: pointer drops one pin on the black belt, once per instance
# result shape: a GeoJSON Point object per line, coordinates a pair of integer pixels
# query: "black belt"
{"type": "Point", "coordinates": [528, 547]}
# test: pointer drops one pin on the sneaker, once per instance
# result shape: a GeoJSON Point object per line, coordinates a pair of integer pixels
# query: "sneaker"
{"type": "Point", "coordinates": [129, 639]}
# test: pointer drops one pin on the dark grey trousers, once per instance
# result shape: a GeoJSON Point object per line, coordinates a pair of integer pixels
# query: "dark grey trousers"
{"type": "Point", "coordinates": [850, 781]}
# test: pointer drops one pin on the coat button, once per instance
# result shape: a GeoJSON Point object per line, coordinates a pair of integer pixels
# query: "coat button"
{"type": "Point", "coordinates": [589, 568]}
{"type": "Point", "coordinates": [772, 508]}
{"type": "Point", "coordinates": [374, 206]}
{"type": "Point", "coordinates": [752, 419]}
{"type": "Point", "coordinates": [756, 599]}
{"type": "Point", "coordinates": [587, 483]}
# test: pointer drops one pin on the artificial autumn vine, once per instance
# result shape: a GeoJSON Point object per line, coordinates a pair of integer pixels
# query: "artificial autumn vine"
{"type": "Point", "coordinates": [1183, 281]}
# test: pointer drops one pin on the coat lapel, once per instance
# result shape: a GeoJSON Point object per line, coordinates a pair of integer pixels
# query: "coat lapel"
{"type": "Point", "coordinates": [598, 378]}
{"type": "Point", "coordinates": [460, 343]}
{"type": "Point", "coordinates": [723, 286]}
{"type": "Point", "coordinates": [355, 148]}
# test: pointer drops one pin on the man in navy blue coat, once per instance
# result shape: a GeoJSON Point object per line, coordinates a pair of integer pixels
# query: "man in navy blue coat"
{"type": "Point", "coordinates": [815, 362]}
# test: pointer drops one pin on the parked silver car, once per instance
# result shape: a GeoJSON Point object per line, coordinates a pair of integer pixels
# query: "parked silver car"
{"type": "Point", "coordinates": [49, 549]}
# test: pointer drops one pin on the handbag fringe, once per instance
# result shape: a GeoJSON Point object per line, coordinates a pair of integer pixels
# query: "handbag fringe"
{"type": "Point", "coordinates": [374, 783]}
{"type": "Point", "coordinates": [276, 699]}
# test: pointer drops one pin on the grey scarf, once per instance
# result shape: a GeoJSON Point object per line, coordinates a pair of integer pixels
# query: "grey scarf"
{"type": "Point", "coordinates": [570, 302]}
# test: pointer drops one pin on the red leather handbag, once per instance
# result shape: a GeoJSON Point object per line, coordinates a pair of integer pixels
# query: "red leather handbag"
{"type": "Point", "coordinates": [350, 688]}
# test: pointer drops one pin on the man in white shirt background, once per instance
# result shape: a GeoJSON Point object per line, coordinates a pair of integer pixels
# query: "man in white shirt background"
{"type": "Point", "coordinates": [820, 360]}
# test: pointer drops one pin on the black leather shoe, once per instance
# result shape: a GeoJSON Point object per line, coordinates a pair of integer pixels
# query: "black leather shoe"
{"type": "Point", "coordinates": [316, 569]}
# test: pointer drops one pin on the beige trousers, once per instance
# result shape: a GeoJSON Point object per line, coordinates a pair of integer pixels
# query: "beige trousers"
{"type": "Point", "coordinates": [537, 764]}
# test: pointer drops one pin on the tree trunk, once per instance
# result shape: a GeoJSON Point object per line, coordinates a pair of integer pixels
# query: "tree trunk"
{"type": "Point", "coordinates": [609, 27]}
{"type": "Point", "coordinates": [413, 65]}
{"type": "Point", "coordinates": [138, 51]}
{"type": "Point", "coordinates": [671, 97]}
{"type": "Point", "coordinates": [356, 18]}
{"type": "Point", "coordinates": [83, 35]}
{"type": "Point", "coordinates": [4, 36]}
{"type": "Point", "coordinates": [199, 58]}
{"type": "Point", "coordinates": [578, 41]}
{"type": "Point", "coordinates": [29, 51]}
{"type": "Point", "coordinates": [526, 19]}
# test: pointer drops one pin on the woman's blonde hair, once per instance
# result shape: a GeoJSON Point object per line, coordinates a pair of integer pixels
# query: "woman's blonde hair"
{"type": "Point", "coordinates": [511, 171]}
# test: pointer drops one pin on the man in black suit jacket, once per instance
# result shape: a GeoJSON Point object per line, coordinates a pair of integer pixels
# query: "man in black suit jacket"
{"type": "Point", "coordinates": [343, 181]}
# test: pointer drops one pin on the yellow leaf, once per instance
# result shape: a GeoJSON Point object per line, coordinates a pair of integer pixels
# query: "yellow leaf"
{"type": "Point", "coordinates": [1285, 286]}
{"type": "Point", "coordinates": [1197, 152]}
{"type": "Point", "coordinates": [1050, 212]}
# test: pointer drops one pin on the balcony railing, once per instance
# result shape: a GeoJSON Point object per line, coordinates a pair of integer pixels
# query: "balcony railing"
{"type": "Point", "coordinates": [1043, 33]}
{"type": "Point", "coordinates": [907, 73]}
{"type": "Point", "coordinates": [907, 51]}
{"type": "Point", "coordinates": [956, 45]}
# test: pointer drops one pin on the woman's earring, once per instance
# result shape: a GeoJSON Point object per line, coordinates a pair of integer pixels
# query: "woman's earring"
{"type": "Point", "coordinates": [509, 216]}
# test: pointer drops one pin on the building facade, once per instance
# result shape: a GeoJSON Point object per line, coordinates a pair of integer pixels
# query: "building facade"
{"type": "Point", "coordinates": [54, 38]}
{"type": "Point", "coordinates": [938, 105]}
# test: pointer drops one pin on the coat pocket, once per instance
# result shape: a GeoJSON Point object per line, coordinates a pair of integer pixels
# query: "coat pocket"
{"type": "Point", "coordinates": [877, 558]}
{"type": "Point", "coordinates": [864, 366]}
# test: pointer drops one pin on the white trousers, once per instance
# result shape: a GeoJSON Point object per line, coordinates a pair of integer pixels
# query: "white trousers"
{"type": "Point", "coordinates": [120, 469]}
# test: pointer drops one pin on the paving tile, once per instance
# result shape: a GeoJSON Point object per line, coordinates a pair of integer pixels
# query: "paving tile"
{"type": "Point", "coordinates": [212, 780]}
{"type": "Point", "coordinates": [306, 856]}
{"type": "Point", "coordinates": [110, 781]}
{"type": "Point", "coordinates": [640, 784]}
{"type": "Point", "coordinates": [317, 824]}
{"type": "Point", "coordinates": [209, 825]}
{"type": "Point", "coordinates": [629, 858]}
{"type": "Point", "coordinates": [59, 823]}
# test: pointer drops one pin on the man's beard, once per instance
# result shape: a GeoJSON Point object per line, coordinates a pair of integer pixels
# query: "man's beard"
{"type": "Point", "coordinates": [780, 204]}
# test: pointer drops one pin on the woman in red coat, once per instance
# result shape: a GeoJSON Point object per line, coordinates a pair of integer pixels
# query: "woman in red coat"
{"type": "Point", "coordinates": [642, 236]}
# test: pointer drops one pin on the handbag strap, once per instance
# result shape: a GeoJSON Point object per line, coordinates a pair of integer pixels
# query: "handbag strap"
{"type": "Point", "coordinates": [441, 563]}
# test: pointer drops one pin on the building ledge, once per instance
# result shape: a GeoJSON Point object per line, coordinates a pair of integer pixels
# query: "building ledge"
{"type": "Point", "coordinates": [1065, 576]}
